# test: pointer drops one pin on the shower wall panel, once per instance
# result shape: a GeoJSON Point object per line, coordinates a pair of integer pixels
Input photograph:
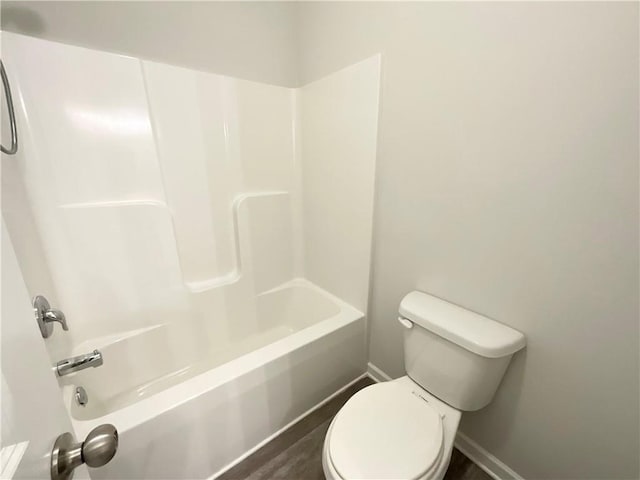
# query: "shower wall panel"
{"type": "Point", "coordinates": [138, 176]}
{"type": "Point", "coordinates": [145, 194]}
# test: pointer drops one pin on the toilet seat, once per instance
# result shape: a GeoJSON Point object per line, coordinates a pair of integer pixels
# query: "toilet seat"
{"type": "Point", "coordinates": [386, 431]}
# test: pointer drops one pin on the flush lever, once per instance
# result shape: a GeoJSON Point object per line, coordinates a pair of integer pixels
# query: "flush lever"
{"type": "Point", "coordinates": [406, 323]}
{"type": "Point", "coordinates": [45, 316]}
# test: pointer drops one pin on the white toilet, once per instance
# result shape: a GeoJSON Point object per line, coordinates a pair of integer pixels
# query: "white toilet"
{"type": "Point", "coordinates": [405, 428]}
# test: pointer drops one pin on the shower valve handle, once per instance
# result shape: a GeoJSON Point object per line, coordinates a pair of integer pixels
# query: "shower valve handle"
{"type": "Point", "coordinates": [46, 316]}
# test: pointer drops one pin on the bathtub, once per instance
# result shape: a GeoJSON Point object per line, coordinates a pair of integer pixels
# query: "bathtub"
{"type": "Point", "coordinates": [190, 405]}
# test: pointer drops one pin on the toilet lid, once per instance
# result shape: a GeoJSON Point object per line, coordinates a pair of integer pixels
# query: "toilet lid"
{"type": "Point", "coordinates": [385, 431]}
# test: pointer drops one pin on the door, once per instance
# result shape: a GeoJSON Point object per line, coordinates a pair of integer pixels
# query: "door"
{"type": "Point", "coordinates": [33, 414]}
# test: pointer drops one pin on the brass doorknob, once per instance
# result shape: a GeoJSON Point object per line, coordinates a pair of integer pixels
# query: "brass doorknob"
{"type": "Point", "coordinates": [97, 450]}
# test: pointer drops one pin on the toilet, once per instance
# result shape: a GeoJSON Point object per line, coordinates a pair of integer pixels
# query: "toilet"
{"type": "Point", "coordinates": [405, 428]}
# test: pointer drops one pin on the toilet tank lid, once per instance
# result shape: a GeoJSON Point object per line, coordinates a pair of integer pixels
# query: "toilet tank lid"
{"type": "Point", "coordinates": [470, 330]}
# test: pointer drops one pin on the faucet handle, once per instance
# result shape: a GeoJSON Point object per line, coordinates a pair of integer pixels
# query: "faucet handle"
{"type": "Point", "coordinates": [54, 315]}
{"type": "Point", "coordinates": [45, 316]}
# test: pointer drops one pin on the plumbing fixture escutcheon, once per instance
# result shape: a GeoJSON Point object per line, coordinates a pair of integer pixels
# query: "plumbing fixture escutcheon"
{"type": "Point", "coordinates": [45, 316]}
{"type": "Point", "coordinates": [97, 450]}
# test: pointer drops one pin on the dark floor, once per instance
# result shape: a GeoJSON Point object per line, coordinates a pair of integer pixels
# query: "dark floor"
{"type": "Point", "coordinates": [296, 454]}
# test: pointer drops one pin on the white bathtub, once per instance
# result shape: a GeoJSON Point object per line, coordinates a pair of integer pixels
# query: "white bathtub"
{"type": "Point", "coordinates": [188, 407]}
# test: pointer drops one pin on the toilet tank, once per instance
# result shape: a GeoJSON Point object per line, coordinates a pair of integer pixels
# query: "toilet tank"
{"type": "Point", "coordinates": [455, 354]}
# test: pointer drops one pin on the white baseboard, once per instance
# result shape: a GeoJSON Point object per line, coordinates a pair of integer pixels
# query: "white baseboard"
{"type": "Point", "coordinates": [474, 452]}
{"type": "Point", "coordinates": [376, 374]}
{"type": "Point", "coordinates": [487, 462]}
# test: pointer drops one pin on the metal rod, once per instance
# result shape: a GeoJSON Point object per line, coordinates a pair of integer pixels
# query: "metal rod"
{"type": "Point", "coordinates": [12, 114]}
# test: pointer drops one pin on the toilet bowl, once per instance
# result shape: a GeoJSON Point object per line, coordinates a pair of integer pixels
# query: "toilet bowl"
{"type": "Point", "coordinates": [391, 430]}
{"type": "Point", "coordinates": [405, 428]}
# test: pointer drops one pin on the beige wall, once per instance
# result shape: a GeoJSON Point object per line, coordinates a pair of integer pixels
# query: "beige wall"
{"type": "Point", "coordinates": [507, 182]}
{"type": "Point", "coordinates": [251, 40]}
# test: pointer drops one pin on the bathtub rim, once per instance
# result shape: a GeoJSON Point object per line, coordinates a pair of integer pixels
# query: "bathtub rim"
{"type": "Point", "coordinates": [161, 402]}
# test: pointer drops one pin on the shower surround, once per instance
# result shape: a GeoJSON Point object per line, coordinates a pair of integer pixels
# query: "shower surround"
{"type": "Point", "coordinates": [211, 235]}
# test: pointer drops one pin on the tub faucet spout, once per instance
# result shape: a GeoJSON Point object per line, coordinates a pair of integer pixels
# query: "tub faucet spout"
{"type": "Point", "coordinates": [75, 364]}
